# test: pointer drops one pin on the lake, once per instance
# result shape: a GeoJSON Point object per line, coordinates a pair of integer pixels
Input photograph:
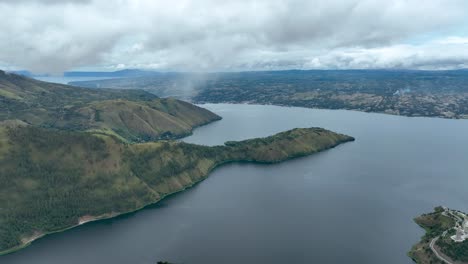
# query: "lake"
{"type": "Point", "coordinates": [66, 79]}
{"type": "Point", "coordinates": [351, 204]}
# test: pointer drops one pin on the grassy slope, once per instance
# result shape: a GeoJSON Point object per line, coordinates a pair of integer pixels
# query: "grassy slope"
{"type": "Point", "coordinates": [51, 180]}
{"type": "Point", "coordinates": [132, 114]}
{"type": "Point", "coordinates": [143, 121]}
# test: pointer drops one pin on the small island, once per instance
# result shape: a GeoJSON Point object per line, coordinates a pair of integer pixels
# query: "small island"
{"type": "Point", "coordinates": [446, 238]}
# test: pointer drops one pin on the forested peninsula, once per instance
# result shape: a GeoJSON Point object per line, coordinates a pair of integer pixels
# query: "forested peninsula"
{"type": "Point", "coordinates": [53, 180]}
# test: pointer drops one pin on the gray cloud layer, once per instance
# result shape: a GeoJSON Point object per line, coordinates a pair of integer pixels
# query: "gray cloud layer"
{"type": "Point", "coordinates": [19, 2]}
{"type": "Point", "coordinates": [53, 36]}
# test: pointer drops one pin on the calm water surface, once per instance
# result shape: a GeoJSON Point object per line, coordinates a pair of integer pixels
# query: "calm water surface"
{"type": "Point", "coordinates": [351, 204]}
{"type": "Point", "coordinates": [66, 80]}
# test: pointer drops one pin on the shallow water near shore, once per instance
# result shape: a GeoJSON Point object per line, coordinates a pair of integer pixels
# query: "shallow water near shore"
{"type": "Point", "coordinates": [351, 204]}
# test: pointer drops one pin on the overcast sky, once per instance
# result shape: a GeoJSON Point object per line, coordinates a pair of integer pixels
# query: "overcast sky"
{"type": "Point", "coordinates": [212, 35]}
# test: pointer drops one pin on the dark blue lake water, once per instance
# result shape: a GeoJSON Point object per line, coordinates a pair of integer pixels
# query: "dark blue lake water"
{"type": "Point", "coordinates": [351, 204]}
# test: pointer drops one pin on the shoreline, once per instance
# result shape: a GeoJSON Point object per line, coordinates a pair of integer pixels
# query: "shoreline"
{"type": "Point", "coordinates": [201, 103]}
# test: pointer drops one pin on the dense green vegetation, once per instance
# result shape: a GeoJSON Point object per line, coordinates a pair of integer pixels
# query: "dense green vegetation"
{"type": "Point", "coordinates": [400, 92]}
{"type": "Point", "coordinates": [456, 251]}
{"type": "Point", "coordinates": [435, 224]}
{"type": "Point", "coordinates": [54, 179]}
{"type": "Point", "coordinates": [131, 114]}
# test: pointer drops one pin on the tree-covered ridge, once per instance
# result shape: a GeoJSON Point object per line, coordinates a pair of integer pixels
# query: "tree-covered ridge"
{"type": "Point", "coordinates": [53, 179]}
{"type": "Point", "coordinates": [131, 114]}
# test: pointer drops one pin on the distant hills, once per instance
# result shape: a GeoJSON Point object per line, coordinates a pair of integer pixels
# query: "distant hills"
{"type": "Point", "coordinates": [399, 92]}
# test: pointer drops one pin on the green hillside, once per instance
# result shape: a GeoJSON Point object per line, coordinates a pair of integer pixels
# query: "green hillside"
{"type": "Point", "coordinates": [131, 114]}
{"type": "Point", "coordinates": [54, 179]}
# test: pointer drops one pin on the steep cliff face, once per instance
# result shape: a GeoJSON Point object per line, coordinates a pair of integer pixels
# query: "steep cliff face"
{"type": "Point", "coordinates": [54, 180]}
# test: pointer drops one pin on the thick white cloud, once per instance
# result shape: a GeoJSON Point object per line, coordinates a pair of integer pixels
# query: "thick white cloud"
{"type": "Point", "coordinates": [53, 36]}
{"type": "Point", "coordinates": [429, 56]}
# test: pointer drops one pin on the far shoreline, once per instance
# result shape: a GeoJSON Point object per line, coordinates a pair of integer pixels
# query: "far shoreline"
{"type": "Point", "coordinates": [325, 109]}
